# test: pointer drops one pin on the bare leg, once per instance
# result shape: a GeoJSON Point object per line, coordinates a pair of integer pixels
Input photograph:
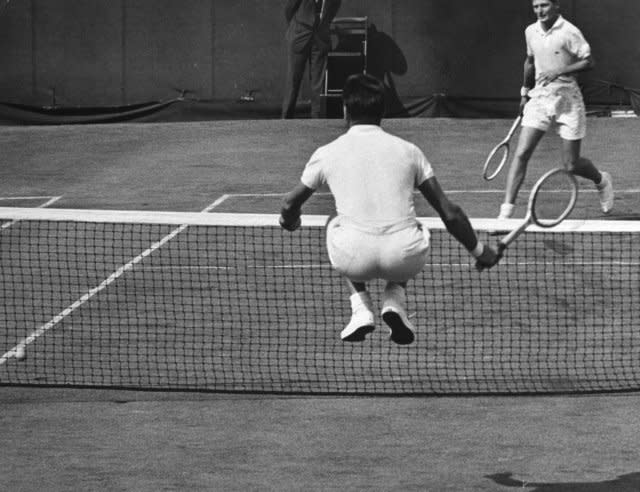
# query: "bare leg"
{"type": "Point", "coordinates": [584, 168]}
{"type": "Point", "coordinates": [580, 166]}
{"type": "Point", "coordinates": [528, 141]}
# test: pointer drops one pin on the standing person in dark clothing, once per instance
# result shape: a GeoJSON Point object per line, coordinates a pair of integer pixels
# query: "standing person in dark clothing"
{"type": "Point", "coordinates": [308, 40]}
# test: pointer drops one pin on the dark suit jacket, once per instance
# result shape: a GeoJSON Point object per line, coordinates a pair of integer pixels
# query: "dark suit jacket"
{"type": "Point", "coordinates": [304, 12]}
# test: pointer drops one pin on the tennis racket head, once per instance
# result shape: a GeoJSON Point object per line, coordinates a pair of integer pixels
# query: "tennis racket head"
{"type": "Point", "coordinates": [496, 160]}
{"type": "Point", "coordinates": [553, 198]}
{"type": "Point", "coordinates": [499, 155]}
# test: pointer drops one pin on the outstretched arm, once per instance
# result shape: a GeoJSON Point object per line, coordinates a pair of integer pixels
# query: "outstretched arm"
{"type": "Point", "coordinates": [456, 222]}
{"type": "Point", "coordinates": [292, 206]}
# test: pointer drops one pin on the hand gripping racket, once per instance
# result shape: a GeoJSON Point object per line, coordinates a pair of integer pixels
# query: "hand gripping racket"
{"type": "Point", "coordinates": [493, 165]}
{"type": "Point", "coordinates": [551, 201]}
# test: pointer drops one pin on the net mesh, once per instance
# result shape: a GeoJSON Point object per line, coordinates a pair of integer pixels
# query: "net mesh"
{"type": "Point", "coordinates": [232, 303]}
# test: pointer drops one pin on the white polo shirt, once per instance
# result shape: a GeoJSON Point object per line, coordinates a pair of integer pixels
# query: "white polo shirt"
{"type": "Point", "coordinates": [371, 174]}
{"type": "Point", "coordinates": [562, 45]}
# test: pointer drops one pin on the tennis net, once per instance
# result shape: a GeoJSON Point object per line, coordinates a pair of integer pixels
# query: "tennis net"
{"type": "Point", "coordinates": [232, 303]}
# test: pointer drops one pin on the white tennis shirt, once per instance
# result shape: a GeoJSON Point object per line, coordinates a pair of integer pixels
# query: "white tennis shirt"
{"type": "Point", "coordinates": [371, 174]}
{"type": "Point", "coordinates": [562, 45]}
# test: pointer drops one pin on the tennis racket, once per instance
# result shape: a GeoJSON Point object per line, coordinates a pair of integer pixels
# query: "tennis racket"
{"type": "Point", "coordinates": [551, 201]}
{"type": "Point", "coordinates": [494, 164]}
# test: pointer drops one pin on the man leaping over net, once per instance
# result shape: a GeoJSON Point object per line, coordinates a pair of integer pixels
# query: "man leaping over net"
{"type": "Point", "coordinates": [550, 95]}
{"type": "Point", "coordinates": [372, 176]}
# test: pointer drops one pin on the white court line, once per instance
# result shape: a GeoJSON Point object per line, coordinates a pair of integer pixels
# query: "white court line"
{"type": "Point", "coordinates": [313, 266]}
{"type": "Point", "coordinates": [219, 201]}
{"type": "Point", "coordinates": [51, 200]}
{"type": "Point", "coordinates": [323, 193]}
{"type": "Point", "coordinates": [470, 192]}
{"type": "Point", "coordinates": [100, 287]}
{"type": "Point", "coordinates": [40, 197]}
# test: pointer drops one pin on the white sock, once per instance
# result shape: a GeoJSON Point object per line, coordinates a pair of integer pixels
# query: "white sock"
{"type": "Point", "coordinates": [506, 209]}
{"type": "Point", "coordinates": [394, 295]}
{"type": "Point", "coordinates": [603, 181]}
{"type": "Point", "coordinates": [361, 300]}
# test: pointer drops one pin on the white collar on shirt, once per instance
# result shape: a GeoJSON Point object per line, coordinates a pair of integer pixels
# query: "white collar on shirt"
{"type": "Point", "coordinates": [556, 25]}
{"type": "Point", "coordinates": [363, 128]}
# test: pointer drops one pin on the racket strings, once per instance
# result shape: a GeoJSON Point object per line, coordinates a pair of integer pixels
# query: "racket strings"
{"type": "Point", "coordinates": [496, 161]}
{"type": "Point", "coordinates": [554, 198]}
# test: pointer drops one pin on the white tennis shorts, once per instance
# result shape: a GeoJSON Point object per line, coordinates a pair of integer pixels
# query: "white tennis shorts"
{"type": "Point", "coordinates": [361, 253]}
{"type": "Point", "coordinates": [562, 107]}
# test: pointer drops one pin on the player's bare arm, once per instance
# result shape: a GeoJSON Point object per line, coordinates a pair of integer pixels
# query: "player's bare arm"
{"type": "Point", "coordinates": [456, 222]}
{"type": "Point", "coordinates": [292, 206]}
{"type": "Point", "coordinates": [528, 81]}
{"type": "Point", "coordinates": [529, 76]}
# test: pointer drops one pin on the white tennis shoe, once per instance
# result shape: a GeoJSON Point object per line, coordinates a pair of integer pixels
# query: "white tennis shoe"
{"type": "Point", "coordinates": [401, 330]}
{"type": "Point", "coordinates": [605, 192]}
{"type": "Point", "coordinates": [362, 323]}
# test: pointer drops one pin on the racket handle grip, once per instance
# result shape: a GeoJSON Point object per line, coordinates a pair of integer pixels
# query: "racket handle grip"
{"type": "Point", "coordinates": [499, 254]}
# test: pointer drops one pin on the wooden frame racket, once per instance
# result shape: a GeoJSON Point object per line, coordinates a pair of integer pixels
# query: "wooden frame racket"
{"type": "Point", "coordinates": [532, 216]}
{"type": "Point", "coordinates": [504, 147]}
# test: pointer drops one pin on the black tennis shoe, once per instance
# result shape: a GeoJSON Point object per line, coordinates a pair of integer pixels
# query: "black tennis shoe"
{"type": "Point", "coordinates": [402, 331]}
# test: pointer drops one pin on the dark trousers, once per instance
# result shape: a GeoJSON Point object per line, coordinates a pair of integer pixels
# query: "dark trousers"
{"type": "Point", "coordinates": [305, 45]}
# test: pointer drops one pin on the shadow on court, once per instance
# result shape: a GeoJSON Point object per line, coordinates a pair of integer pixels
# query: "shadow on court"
{"type": "Point", "coordinates": [629, 482]}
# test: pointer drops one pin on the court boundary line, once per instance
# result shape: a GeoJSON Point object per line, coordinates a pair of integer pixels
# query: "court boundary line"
{"type": "Point", "coordinates": [42, 329]}
{"type": "Point", "coordinates": [32, 197]}
{"type": "Point", "coordinates": [51, 200]}
{"type": "Point", "coordinates": [328, 266]}
{"type": "Point", "coordinates": [479, 192]}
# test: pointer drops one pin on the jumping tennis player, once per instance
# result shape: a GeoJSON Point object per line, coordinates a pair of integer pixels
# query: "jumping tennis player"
{"type": "Point", "coordinates": [550, 95]}
{"type": "Point", "coordinates": [372, 176]}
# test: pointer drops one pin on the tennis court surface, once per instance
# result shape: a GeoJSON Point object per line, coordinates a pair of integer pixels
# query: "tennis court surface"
{"type": "Point", "coordinates": [148, 257]}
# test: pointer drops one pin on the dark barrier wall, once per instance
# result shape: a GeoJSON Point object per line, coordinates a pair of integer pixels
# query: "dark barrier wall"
{"type": "Point", "coordinates": [117, 52]}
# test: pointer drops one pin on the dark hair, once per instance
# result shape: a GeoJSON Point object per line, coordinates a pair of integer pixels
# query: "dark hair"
{"type": "Point", "coordinates": [363, 96]}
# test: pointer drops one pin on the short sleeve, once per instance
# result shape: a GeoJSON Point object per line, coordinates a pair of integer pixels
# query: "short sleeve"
{"type": "Point", "coordinates": [577, 45]}
{"type": "Point", "coordinates": [527, 38]}
{"type": "Point", "coordinates": [313, 176]}
{"type": "Point", "coordinates": [424, 170]}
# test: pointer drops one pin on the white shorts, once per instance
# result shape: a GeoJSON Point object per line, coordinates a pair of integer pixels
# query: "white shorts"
{"type": "Point", "coordinates": [361, 253]}
{"type": "Point", "coordinates": [560, 106]}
